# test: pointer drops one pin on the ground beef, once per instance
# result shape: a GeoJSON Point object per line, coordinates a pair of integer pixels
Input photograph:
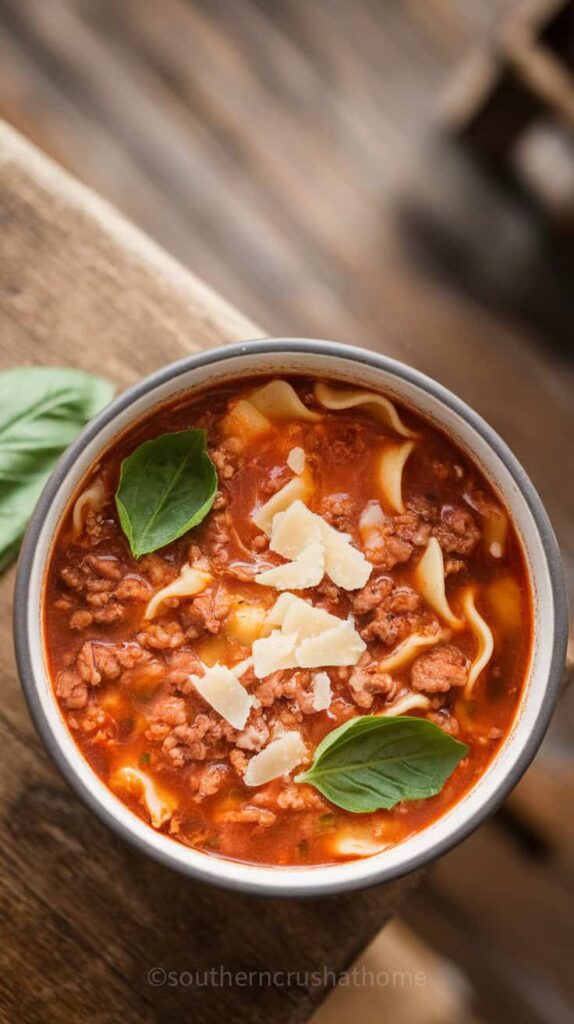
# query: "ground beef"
{"type": "Point", "coordinates": [208, 781]}
{"type": "Point", "coordinates": [290, 797]}
{"type": "Point", "coordinates": [350, 442]}
{"type": "Point", "coordinates": [95, 663]}
{"type": "Point", "coordinates": [456, 530]}
{"type": "Point", "coordinates": [71, 689]}
{"type": "Point", "coordinates": [81, 620]}
{"type": "Point", "coordinates": [226, 458]}
{"type": "Point", "coordinates": [105, 566]}
{"type": "Point", "coordinates": [182, 742]}
{"type": "Point", "coordinates": [255, 735]}
{"type": "Point", "coordinates": [327, 594]}
{"type": "Point", "coordinates": [158, 571]}
{"type": "Point", "coordinates": [445, 721]}
{"type": "Point", "coordinates": [299, 798]}
{"type": "Point", "coordinates": [441, 668]}
{"type": "Point", "coordinates": [180, 664]}
{"type": "Point", "coordinates": [392, 541]}
{"type": "Point", "coordinates": [371, 595]}
{"type": "Point", "coordinates": [295, 686]}
{"type": "Point", "coordinates": [133, 588]}
{"type": "Point", "coordinates": [162, 636]}
{"type": "Point", "coordinates": [102, 661]}
{"type": "Point", "coordinates": [239, 761]}
{"type": "Point", "coordinates": [394, 612]}
{"type": "Point", "coordinates": [272, 688]}
{"type": "Point", "coordinates": [367, 681]}
{"type": "Point", "coordinates": [105, 587]}
{"type": "Point", "coordinates": [251, 815]}
{"type": "Point", "coordinates": [206, 612]}
{"type": "Point", "coordinates": [277, 478]}
{"type": "Point", "coordinates": [340, 511]}
{"type": "Point", "coordinates": [218, 538]}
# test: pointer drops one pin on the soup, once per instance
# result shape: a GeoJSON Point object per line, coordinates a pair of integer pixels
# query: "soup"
{"type": "Point", "coordinates": [287, 622]}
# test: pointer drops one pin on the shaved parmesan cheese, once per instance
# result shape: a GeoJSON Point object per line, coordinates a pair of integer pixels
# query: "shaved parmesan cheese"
{"type": "Point", "coordinates": [341, 645]}
{"type": "Point", "coordinates": [306, 571]}
{"type": "Point", "coordinates": [298, 487]}
{"type": "Point", "coordinates": [277, 758]}
{"type": "Point", "coordinates": [276, 614]}
{"type": "Point", "coordinates": [280, 401]}
{"type": "Point", "coordinates": [297, 527]}
{"type": "Point", "coordinates": [296, 460]}
{"type": "Point", "coordinates": [346, 565]}
{"type": "Point", "coordinates": [294, 529]}
{"type": "Point", "coordinates": [225, 694]}
{"type": "Point", "coordinates": [132, 780]}
{"type": "Point", "coordinates": [189, 582]}
{"type": "Point", "coordinates": [274, 652]}
{"type": "Point", "coordinates": [315, 638]}
{"type": "Point", "coordinates": [322, 695]}
{"type": "Point", "coordinates": [371, 518]}
{"type": "Point", "coordinates": [305, 620]}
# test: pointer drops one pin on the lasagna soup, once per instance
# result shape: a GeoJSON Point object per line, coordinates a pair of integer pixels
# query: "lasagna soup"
{"type": "Point", "coordinates": [287, 622]}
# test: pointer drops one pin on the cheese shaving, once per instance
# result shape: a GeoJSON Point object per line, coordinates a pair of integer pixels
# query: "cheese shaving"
{"type": "Point", "coordinates": [296, 460]}
{"type": "Point", "coordinates": [322, 694]}
{"type": "Point", "coordinates": [296, 528]}
{"type": "Point", "coordinates": [274, 652]}
{"type": "Point", "coordinates": [276, 759]}
{"type": "Point", "coordinates": [297, 488]}
{"type": "Point", "coordinates": [221, 689]}
{"type": "Point", "coordinates": [341, 645]}
{"type": "Point", "coordinates": [305, 571]}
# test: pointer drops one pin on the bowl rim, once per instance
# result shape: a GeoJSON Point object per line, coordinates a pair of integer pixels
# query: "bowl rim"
{"type": "Point", "coordinates": [357, 356]}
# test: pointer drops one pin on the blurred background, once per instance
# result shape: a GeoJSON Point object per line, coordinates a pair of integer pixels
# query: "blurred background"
{"type": "Point", "coordinates": [398, 174]}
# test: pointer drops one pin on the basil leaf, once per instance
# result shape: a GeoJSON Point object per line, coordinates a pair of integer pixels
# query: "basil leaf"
{"type": "Point", "coordinates": [373, 762]}
{"type": "Point", "coordinates": [42, 409]}
{"type": "Point", "coordinates": [166, 486]}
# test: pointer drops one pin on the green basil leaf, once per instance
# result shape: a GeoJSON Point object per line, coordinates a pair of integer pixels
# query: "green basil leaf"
{"type": "Point", "coordinates": [167, 486]}
{"type": "Point", "coordinates": [42, 409]}
{"type": "Point", "coordinates": [373, 762]}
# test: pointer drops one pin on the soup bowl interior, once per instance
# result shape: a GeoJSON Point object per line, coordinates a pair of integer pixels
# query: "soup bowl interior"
{"type": "Point", "coordinates": [354, 367]}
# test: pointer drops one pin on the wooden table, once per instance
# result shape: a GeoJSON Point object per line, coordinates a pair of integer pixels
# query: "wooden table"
{"type": "Point", "coordinates": [84, 918]}
{"type": "Point", "coordinates": [288, 153]}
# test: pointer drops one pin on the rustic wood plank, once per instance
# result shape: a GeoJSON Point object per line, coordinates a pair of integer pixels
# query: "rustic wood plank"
{"type": "Point", "coordinates": [85, 917]}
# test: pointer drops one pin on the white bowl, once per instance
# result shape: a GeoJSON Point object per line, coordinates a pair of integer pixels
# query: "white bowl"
{"type": "Point", "coordinates": [353, 366]}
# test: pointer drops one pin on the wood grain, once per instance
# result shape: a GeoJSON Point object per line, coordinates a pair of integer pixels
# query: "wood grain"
{"type": "Point", "coordinates": [288, 154]}
{"type": "Point", "coordinates": [84, 918]}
